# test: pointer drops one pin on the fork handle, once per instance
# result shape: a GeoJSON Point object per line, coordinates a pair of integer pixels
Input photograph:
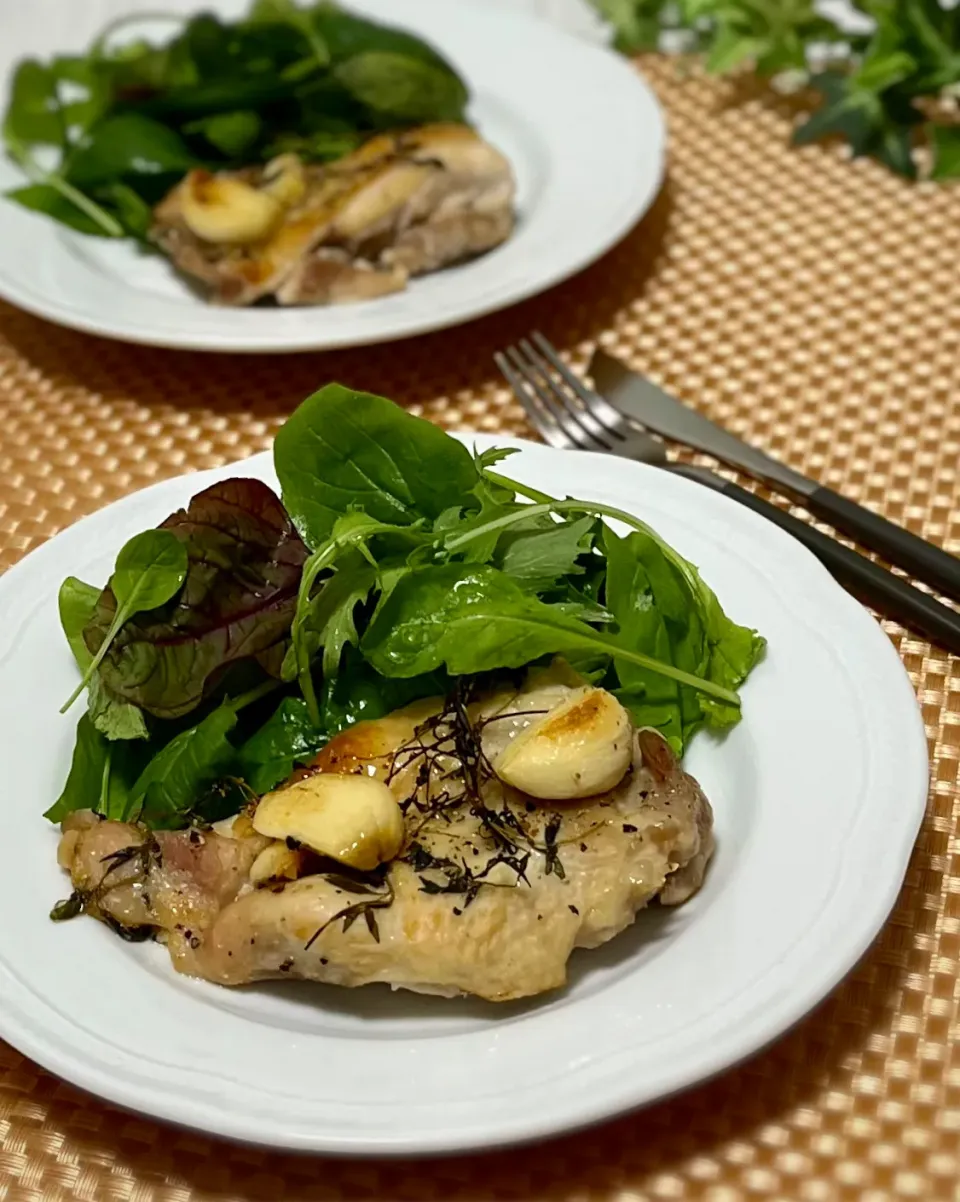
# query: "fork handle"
{"type": "Point", "coordinates": [921, 559]}
{"type": "Point", "coordinates": [874, 585]}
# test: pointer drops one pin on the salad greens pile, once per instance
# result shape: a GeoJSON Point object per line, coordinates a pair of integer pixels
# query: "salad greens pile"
{"type": "Point", "coordinates": [887, 90]}
{"type": "Point", "coordinates": [234, 641]}
{"type": "Point", "coordinates": [126, 120]}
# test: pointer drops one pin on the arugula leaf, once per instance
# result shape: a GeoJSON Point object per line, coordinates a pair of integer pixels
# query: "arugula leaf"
{"type": "Point", "coordinates": [194, 760]}
{"type": "Point", "coordinates": [475, 619]}
{"type": "Point", "coordinates": [328, 621]}
{"type": "Point", "coordinates": [342, 450]}
{"type": "Point", "coordinates": [538, 558]}
{"type": "Point", "coordinates": [244, 563]}
{"type": "Point", "coordinates": [150, 568]}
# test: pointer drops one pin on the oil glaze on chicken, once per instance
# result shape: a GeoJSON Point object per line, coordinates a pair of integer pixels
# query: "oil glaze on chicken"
{"type": "Point", "coordinates": [465, 845]}
{"type": "Point", "coordinates": [400, 206]}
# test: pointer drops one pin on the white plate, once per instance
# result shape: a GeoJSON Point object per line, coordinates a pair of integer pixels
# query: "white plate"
{"type": "Point", "coordinates": [582, 129]}
{"type": "Point", "coordinates": [818, 794]}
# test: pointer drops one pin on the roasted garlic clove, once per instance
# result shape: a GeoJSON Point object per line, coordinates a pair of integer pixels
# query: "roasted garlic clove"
{"type": "Point", "coordinates": [219, 209]}
{"type": "Point", "coordinates": [354, 819]}
{"type": "Point", "coordinates": [278, 862]}
{"type": "Point", "coordinates": [285, 180]}
{"type": "Point", "coordinates": [581, 747]}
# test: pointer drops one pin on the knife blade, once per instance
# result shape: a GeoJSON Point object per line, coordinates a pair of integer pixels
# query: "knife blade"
{"type": "Point", "coordinates": [644, 402]}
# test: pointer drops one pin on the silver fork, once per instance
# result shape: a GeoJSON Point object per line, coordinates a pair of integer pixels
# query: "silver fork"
{"type": "Point", "coordinates": [570, 416]}
{"type": "Point", "coordinates": [565, 412]}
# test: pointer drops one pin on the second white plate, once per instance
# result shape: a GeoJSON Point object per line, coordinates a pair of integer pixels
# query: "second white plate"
{"type": "Point", "coordinates": [818, 795]}
{"type": "Point", "coordinates": [583, 131]}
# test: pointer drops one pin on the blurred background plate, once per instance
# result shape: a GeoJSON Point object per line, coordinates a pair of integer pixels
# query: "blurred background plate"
{"type": "Point", "coordinates": [582, 129]}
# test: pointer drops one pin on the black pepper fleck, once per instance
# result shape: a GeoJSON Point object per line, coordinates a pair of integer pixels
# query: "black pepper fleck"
{"type": "Point", "coordinates": [530, 807]}
{"type": "Point", "coordinates": [583, 847]}
{"type": "Point", "coordinates": [323, 960]}
{"type": "Point", "coordinates": [286, 965]}
{"type": "Point", "coordinates": [292, 844]}
{"type": "Point", "coordinates": [195, 837]}
{"type": "Point", "coordinates": [629, 828]}
{"type": "Point", "coordinates": [573, 910]}
{"type": "Point", "coordinates": [457, 912]}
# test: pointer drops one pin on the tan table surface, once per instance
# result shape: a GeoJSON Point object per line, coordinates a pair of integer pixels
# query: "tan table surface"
{"type": "Point", "coordinates": [811, 304]}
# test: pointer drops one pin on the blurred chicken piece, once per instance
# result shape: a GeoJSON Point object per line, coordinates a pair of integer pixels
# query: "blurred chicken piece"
{"type": "Point", "coordinates": [399, 206]}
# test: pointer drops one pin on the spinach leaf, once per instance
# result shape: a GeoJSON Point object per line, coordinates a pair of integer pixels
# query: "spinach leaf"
{"type": "Point", "coordinates": [358, 693]}
{"type": "Point", "coordinates": [125, 146]}
{"type": "Point", "coordinates": [101, 775]}
{"type": "Point", "coordinates": [233, 134]}
{"type": "Point", "coordinates": [77, 602]}
{"type": "Point", "coordinates": [406, 88]}
{"type": "Point", "coordinates": [46, 199]}
{"type": "Point", "coordinates": [288, 738]}
{"type": "Point", "coordinates": [174, 780]}
{"type": "Point", "coordinates": [112, 717]}
{"type": "Point", "coordinates": [34, 115]}
{"type": "Point", "coordinates": [244, 562]}
{"type": "Point", "coordinates": [342, 450]}
{"type": "Point", "coordinates": [475, 619]}
{"type": "Point", "coordinates": [150, 568]}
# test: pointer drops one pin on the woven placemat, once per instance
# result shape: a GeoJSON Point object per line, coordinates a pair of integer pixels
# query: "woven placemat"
{"type": "Point", "coordinates": [811, 305]}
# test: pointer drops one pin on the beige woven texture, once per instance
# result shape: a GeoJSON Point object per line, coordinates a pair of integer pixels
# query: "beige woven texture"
{"type": "Point", "coordinates": [813, 306]}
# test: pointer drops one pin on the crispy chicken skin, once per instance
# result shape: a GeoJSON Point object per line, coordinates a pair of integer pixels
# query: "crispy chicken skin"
{"type": "Point", "coordinates": [400, 206]}
{"type": "Point", "coordinates": [555, 875]}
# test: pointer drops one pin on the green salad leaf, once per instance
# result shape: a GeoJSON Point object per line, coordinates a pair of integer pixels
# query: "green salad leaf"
{"type": "Point", "coordinates": [215, 670]}
{"type": "Point", "coordinates": [150, 568]}
{"type": "Point", "coordinates": [344, 450]}
{"type": "Point", "coordinates": [128, 118]}
{"type": "Point", "coordinates": [887, 92]}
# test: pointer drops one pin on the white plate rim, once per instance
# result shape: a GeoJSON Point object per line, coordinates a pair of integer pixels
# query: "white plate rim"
{"type": "Point", "coordinates": [186, 331]}
{"type": "Point", "coordinates": [853, 938]}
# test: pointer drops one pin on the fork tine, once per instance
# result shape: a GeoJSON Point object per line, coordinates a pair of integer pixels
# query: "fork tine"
{"type": "Point", "coordinates": [583, 417]}
{"type": "Point", "coordinates": [546, 395]}
{"type": "Point", "coordinates": [596, 405]}
{"type": "Point", "coordinates": [541, 421]}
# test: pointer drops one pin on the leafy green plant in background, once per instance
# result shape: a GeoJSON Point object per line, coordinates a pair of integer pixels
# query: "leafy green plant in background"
{"type": "Point", "coordinates": [104, 134]}
{"type": "Point", "coordinates": [886, 92]}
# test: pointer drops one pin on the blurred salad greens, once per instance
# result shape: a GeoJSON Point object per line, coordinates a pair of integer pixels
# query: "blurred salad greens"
{"type": "Point", "coordinates": [887, 91]}
{"type": "Point", "coordinates": [104, 134]}
{"type": "Point", "coordinates": [236, 639]}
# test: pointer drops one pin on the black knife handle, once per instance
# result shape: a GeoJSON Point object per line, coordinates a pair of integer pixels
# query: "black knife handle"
{"type": "Point", "coordinates": [890, 595]}
{"type": "Point", "coordinates": [921, 559]}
